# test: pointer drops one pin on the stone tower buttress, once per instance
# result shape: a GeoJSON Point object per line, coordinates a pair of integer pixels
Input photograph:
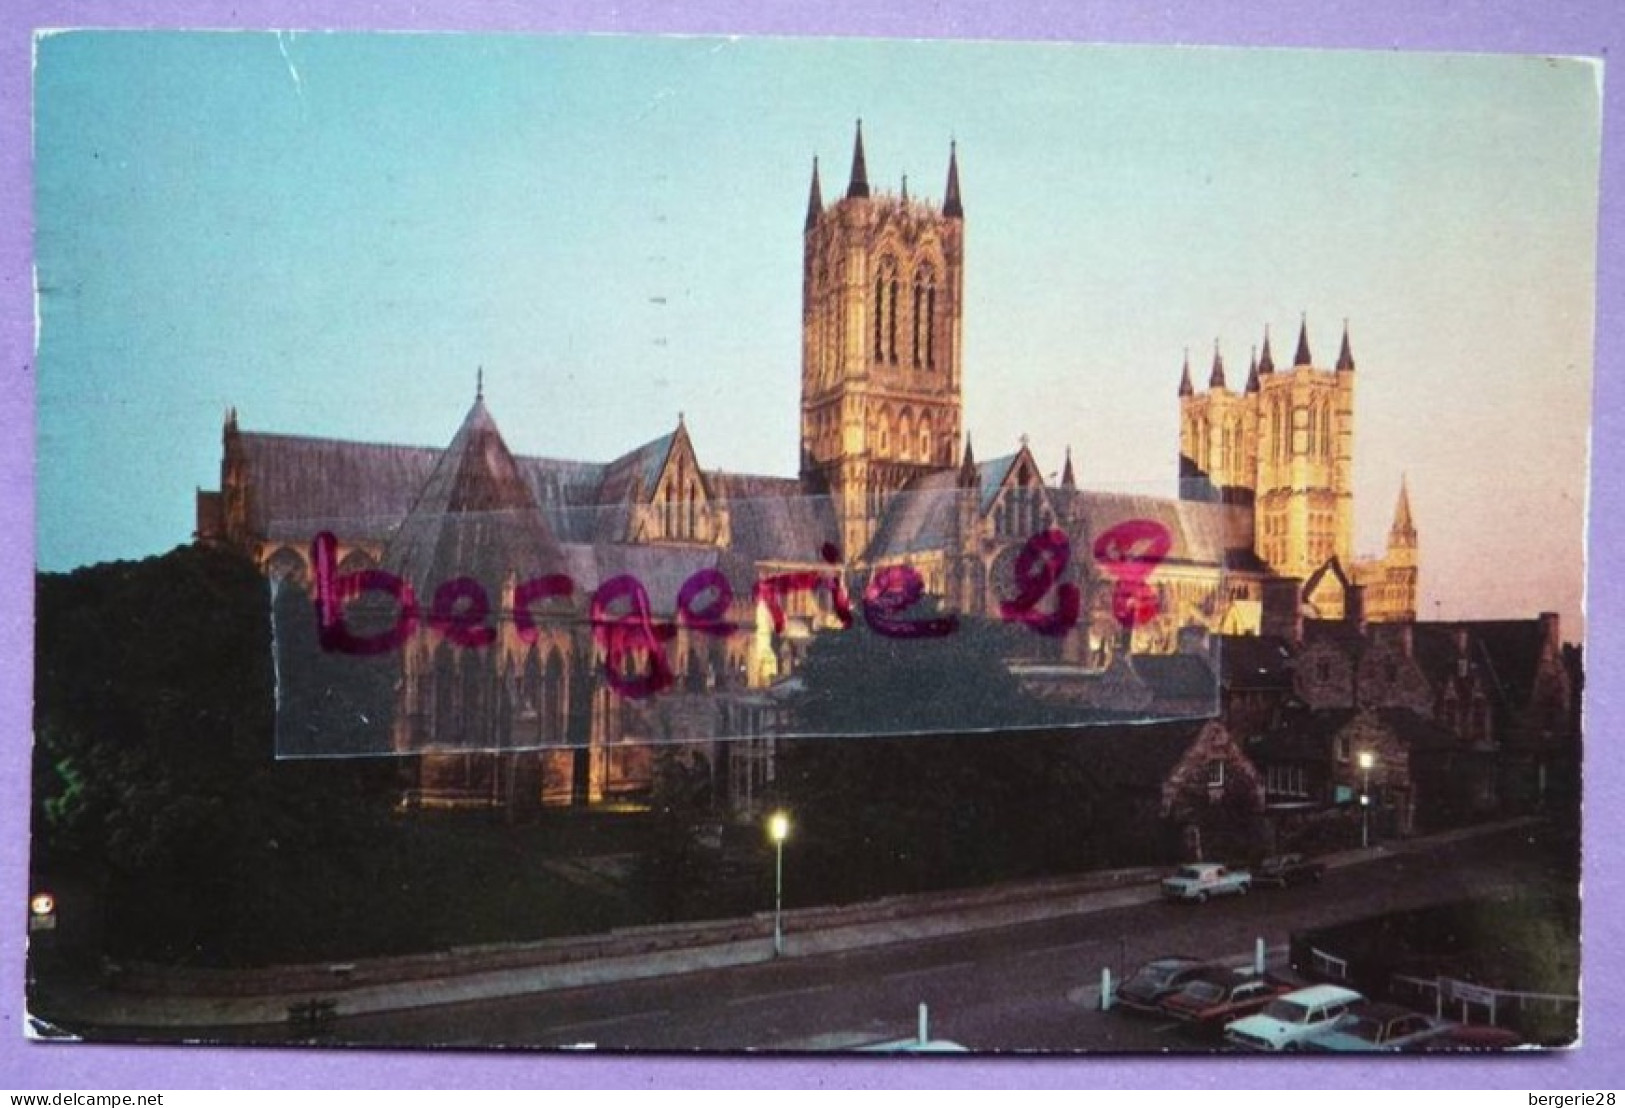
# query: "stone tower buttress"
{"type": "Point", "coordinates": [1343, 473]}
{"type": "Point", "coordinates": [882, 300]}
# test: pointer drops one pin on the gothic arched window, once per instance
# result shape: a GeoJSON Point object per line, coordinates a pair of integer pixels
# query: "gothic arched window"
{"type": "Point", "coordinates": [930, 323]}
{"type": "Point", "coordinates": [891, 322]}
{"type": "Point", "coordinates": [880, 310]}
{"type": "Point", "coordinates": [918, 317]}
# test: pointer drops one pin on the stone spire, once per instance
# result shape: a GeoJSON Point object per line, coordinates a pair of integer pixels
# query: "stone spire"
{"type": "Point", "coordinates": [1266, 361]}
{"type": "Point", "coordinates": [1185, 376]}
{"type": "Point", "coordinates": [1302, 356]}
{"type": "Point", "coordinates": [1252, 371]}
{"type": "Point", "coordinates": [1069, 479]}
{"type": "Point", "coordinates": [1403, 525]}
{"type": "Point", "coordinates": [815, 199]}
{"type": "Point", "coordinates": [1345, 356]}
{"type": "Point", "coordinates": [1215, 379]}
{"type": "Point", "coordinates": [951, 205]}
{"type": "Point", "coordinates": [967, 469]}
{"type": "Point", "coordinates": [858, 187]}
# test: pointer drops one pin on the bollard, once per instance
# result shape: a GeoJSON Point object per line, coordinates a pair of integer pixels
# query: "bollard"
{"type": "Point", "coordinates": [925, 1025]}
{"type": "Point", "coordinates": [1258, 956]}
{"type": "Point", "coordinates": [1106, 989]}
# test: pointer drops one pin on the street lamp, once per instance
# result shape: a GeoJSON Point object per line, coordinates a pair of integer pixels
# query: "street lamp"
{"type": "Point", "coordinates": [778, 829]}
{"type": "Point", "coordinates": [1367, 760]}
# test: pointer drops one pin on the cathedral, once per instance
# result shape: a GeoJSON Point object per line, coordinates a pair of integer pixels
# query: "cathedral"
{"type": "Point", "coordinates": [558, 620]}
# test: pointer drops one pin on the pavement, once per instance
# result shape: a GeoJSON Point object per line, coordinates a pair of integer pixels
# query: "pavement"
{"type": "Point", "coordinates": [157, 997]}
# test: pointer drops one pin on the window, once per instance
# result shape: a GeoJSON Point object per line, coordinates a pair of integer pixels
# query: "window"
{"type": "Point", "coordinates": [880, 310]}
{"type": "Point", "coordinates": [930, 326]}
{"type": "Point", "coordinates": [1215, 773]}
{"type": "Point", "coordinates": [1343, 751]}
{"type": "Point", "coordinates": [919, 297]}
{"type": "Point", "coordinates": [891, 323]}
{"type": "Point", "coordinates": [1286, 781]}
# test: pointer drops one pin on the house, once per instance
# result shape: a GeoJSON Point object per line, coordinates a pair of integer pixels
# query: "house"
{"type": "Point", "coordinates": [1175, 791]}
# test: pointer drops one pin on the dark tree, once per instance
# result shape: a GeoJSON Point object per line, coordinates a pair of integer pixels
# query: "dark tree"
{"type": "Point", "coordinates": [154, 761]}
{"type": "Point", "coordinates": [965, 797]}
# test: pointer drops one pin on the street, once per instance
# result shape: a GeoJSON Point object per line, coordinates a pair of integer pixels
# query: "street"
{"type": "Point", "coordinates": [1029, 987]}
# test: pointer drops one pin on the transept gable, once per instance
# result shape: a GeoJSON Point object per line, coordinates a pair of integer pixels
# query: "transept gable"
{"type": "Point", "coordinates": [1014, 496]}
{"type": "Point", "coordinates": [672, 499]}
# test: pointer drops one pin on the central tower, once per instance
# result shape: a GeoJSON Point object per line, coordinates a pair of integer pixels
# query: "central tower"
{"type": "Point", "coordinates": [882, 297]}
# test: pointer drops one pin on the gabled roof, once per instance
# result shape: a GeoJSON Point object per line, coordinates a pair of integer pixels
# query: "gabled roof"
{"type": "Point", "coordinates": [1301, 736]}
{"type": "Point", "coordinates": [1504, 653]}
{"type": "Point", "coordinates": [635, 472]}
{"type": "Point", "coordinates": [991, 476]}
{"type": "Point", "coordinates": [475, 517]}
{"type": "Point", "coordinates": [1330, 566]}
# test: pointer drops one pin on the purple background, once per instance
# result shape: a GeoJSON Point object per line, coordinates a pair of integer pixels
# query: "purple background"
{"type": "Point", "coordinates": [1590, 28]}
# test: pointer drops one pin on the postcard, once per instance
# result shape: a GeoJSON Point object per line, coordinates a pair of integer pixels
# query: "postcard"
{"type": "Point", "coordinates": [808, 545]}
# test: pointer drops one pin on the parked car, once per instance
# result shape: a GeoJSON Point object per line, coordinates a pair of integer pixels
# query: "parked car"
{"type": "Point", "coordinates": [1200, 880]}
{"type": "Point", "coordinates": [1144, 990]}
{"type": "Point", "coordinates": [1288, 1021]}
{"type": "Point", "coordinates": [1285, 870]}
{"type": "Point", "coordinates": [1468, 1037]}
{"type": "Point", "coordinates": [1212, 999]}
{"type": "Point", "coordinates": [1384, 1027]}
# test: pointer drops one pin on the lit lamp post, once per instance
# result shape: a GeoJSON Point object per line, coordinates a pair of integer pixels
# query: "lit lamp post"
{"type": "Point", "coordinates": [778, 829]}
{"type": "Point", "coordinates": [1367, 759]}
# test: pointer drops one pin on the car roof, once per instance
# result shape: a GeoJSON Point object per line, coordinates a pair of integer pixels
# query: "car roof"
{"type": "Point", "coordinates": [1174, 960]}
{"type": "Point", "coordinates": [1322, 994]}
{"type": "Point", "coordinates": [1381, 1010]}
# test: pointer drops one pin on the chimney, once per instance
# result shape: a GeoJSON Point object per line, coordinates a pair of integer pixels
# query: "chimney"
{"type": "Point", "coordinates": [1283, 612]}
{"type": "Point", "coordinates": [1551, 636]}
{"type": "Point", "coordinates": [1354, 606]}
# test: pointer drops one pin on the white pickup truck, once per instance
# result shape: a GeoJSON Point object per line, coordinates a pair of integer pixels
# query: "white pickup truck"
{"type": "Point", "coordinates": [1200, 880]}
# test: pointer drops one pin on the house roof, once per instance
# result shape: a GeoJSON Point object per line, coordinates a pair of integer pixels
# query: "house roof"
{"type": "Point", "coordinates": [1255, 662]}
{"type": "Point", "coordinates": [1308, 735]}
{"type": "Point", "coordinates": [1177, 676]}
{"type": "Point", "coordinates": [1417, 732]}
{"type": "Point", "coordinates": [1301, 736]}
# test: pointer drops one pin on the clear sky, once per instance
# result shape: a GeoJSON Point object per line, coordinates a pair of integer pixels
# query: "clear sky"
{"type": "Point", "coordinates": [331, 232]}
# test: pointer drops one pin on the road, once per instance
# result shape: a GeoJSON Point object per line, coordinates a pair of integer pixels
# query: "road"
{"type": "Point", "coordinates": [1028, 987]}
